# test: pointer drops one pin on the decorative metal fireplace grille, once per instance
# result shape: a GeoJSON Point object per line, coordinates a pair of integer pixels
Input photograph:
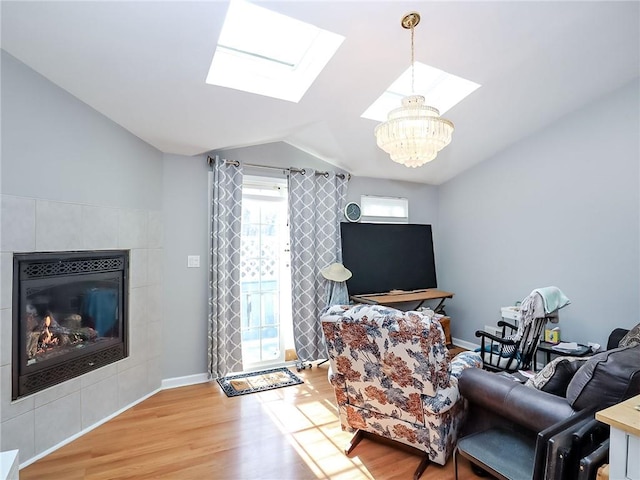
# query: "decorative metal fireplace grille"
{"type": "Point", "coordinates": [69, 315]}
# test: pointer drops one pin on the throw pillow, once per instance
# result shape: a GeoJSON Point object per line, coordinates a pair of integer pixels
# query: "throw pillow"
{"type": "Point", "coordinates": [606, 379]}
{"type": "Point", "coordinates": [554, 378]}
{"type": "Point", "coordinates": [631, 338]}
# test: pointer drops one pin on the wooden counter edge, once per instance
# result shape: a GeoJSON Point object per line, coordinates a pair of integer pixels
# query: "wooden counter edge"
{"type": "Point", "coordinates": [622, 416]}
{"type": "Point", "coordinates": [402, 296]}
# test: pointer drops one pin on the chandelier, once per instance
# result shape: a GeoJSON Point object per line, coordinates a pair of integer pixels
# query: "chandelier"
{"type": "Point", "coordinates": [414, 133]}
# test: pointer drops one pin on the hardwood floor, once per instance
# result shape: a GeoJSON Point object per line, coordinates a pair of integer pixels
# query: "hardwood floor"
{"type": "Point", "coordinates": [197, 432]}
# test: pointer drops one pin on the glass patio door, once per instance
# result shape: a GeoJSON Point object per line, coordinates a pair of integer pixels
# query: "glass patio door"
{"type": "Point", "coordinates": [265, 272]}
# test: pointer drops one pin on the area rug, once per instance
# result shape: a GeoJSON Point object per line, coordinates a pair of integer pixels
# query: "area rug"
{"type": "Point", "coordinates": [234, 385]}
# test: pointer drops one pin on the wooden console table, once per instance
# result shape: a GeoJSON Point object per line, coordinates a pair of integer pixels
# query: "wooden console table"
{"type": "Point", "coordinates": [414, 296]}
{"type": "Point", "coordinates": [402, 296]}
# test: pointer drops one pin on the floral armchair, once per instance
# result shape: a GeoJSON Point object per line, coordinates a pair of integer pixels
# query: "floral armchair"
{"type": "Point", "coordinates": [393, 377]}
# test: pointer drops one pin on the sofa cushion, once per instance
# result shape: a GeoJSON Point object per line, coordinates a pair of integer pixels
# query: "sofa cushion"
{"type": "Point", "coordinates": [554, 378]}
{"type": "Point", "coordinates": [605, 379]}
{"type": "Point", "coordinates": [631, 338]}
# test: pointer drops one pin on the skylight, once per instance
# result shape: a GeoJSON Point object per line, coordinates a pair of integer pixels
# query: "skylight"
{"type": "Point", "coordinates": [267, 53]}
{"type": "Point", "coordinates": [441, 90]}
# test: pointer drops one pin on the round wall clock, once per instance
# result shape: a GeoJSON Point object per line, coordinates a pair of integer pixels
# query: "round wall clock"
{"type": "Point", "coordinates": [352, 212]}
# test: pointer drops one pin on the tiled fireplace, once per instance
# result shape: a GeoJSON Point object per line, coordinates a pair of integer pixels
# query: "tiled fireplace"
{"type": "Point", "coordinates": [36, 422]}
{"type": "Point", "coordinates": [70, 316]}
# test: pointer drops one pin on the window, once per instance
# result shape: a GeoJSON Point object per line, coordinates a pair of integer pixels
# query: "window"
{"type": "Point", "coordinates": [267, 53]}
{"type": "Point", "coordinates": [441, 90]}
{"type": "Point", "coordinates": [384, 209]}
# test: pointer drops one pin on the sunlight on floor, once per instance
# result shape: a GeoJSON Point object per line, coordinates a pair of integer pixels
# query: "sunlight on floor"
{"type": "Point", "coordinates": [314, 431]}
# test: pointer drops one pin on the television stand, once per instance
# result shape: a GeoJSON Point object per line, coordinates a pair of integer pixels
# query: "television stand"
{"type": "Point", "coordinates": [399, 296]}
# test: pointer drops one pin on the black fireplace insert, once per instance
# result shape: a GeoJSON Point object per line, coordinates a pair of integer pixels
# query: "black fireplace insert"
{"type": "Point", "coordinates": [70, 315]}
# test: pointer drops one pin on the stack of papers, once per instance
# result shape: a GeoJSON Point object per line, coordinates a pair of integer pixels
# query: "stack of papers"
{"type": "Point", "coordinates": [566, 346]}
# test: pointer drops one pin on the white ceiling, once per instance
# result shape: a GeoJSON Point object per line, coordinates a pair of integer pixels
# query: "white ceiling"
{"type": "Point", "coordinates": [143, 65]}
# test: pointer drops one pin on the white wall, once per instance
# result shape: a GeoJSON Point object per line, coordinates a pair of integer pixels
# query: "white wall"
{"type": "Point", "coordinates": [560, 208]}
{"type": "Point", "coordinates": [56, 147]}
{"type": "Point", "coordinates": [186, 290]}
{"type": "Point", "coordinates": [74, 180]}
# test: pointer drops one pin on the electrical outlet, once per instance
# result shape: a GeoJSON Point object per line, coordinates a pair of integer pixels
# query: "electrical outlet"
{"type": "Point", "coordinates": [193, 261]}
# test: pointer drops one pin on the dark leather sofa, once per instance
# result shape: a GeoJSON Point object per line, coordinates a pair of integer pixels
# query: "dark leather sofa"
{"type": "Point", "coordinates": [574, 393]}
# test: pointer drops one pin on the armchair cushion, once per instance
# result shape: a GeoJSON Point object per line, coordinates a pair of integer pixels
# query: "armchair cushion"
{"type": "Point", "coordinates": [554, 378]}
{"type": "Point", "coordinates": [606, 378]}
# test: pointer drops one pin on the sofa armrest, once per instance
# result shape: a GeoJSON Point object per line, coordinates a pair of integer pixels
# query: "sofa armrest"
{"type": "Point", "coordinates": [524, 406]}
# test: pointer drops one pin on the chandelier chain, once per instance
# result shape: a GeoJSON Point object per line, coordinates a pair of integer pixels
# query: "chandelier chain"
{"type": "Point", "coordinates": [413, 68]}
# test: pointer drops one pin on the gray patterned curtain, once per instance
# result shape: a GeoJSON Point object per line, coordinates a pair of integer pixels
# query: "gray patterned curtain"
{"type": "Point", "coordinates": [315, 206]}
{"type": "Point", "coordinates": [225, 342]}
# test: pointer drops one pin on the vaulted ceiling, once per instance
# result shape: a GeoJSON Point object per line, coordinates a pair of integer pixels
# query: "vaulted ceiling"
{"type": "Point", "coordinates": [143, 65]}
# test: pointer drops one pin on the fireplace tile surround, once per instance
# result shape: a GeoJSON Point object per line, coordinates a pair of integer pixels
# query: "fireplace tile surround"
{"type": "Point", "coordinates": [36, 423]}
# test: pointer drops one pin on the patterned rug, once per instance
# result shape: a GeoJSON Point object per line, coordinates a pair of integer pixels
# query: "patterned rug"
{"type": "Point", "coordinates": [234, 385]}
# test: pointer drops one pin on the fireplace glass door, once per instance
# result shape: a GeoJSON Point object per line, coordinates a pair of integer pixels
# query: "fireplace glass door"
{"type": "Point", "coordinates": [69, 315]}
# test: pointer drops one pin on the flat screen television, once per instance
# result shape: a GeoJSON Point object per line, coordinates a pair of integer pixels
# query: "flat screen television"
{"type": "Point", "coordinates": [385, 257]}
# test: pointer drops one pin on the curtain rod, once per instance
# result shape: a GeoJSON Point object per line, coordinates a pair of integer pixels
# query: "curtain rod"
{"type": "Point", "coordinates": [236, 163]}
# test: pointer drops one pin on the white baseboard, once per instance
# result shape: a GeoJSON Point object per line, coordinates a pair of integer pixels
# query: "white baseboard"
{"type": "Point", "coordinates": [461, 343]}
{"type": "Point", "coordinates": [176, 382]}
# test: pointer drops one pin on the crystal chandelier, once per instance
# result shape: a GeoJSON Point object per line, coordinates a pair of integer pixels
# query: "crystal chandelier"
{"type": "Point", "coordinates": [414, 133]}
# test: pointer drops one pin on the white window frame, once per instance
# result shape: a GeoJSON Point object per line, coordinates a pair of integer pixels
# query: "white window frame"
{"type": "Point", "coordinates": [379, 209]}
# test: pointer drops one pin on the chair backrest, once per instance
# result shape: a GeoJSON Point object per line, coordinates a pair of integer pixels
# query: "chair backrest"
{"type": "Point", "coordinates": [372, 343]}
{"type": "Point", "coordinates": [531, 336]}
{"type": "Point", "coordinates": [537, 307]}
{"type": "Point", "coordinates": [512, 352]}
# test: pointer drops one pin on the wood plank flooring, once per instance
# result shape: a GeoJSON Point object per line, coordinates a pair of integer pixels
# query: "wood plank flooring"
{"type": "Point", "coordinates": [196, 432]}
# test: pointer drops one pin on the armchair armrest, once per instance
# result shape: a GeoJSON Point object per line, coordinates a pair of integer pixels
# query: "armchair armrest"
{"type": "Point", "coordinates": [504, 323]}
{"type": "Point", "coordinates": [463, 361]}
{"type": "Point", "coordinates": [494, 338]}
{"type": "Point", "coordinates": [524, 406]}
{"type": "Point", "coordinates": [446, 398]}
